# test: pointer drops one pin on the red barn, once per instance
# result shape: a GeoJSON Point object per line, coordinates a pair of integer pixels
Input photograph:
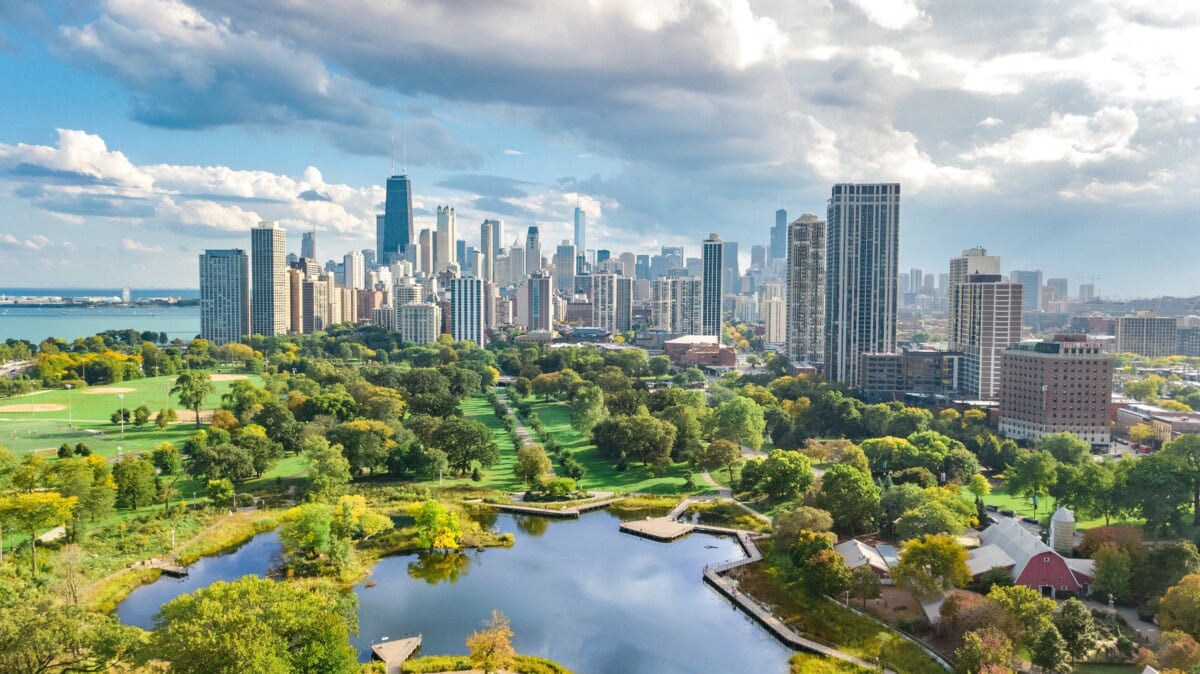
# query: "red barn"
{"type": "Point", "coordinates": [1035, 565]}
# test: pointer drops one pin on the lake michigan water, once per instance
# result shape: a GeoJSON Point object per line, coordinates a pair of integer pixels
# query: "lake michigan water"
{"type": "Point", "coordinates": [37, 323]}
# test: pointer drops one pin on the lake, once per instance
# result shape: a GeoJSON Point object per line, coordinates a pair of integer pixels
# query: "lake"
{"type": "Point", "coordinates": [37, 323]}
{"type": "Point", "coordinates": [577, 591]}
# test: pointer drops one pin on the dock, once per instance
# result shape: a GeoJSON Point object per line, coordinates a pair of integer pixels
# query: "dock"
{"type": "Point", "coordinates": [394, 652]}
{"type": "Point", "coordinates": [174, 571]}
{"type": "Point", "coordinates": [572, 512]}
{"type": "Point", "coordinates": [663, 529]}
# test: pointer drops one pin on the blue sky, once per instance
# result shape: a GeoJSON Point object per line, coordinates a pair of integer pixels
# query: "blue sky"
{"type": "Point", "coordinates": [1061, 136]}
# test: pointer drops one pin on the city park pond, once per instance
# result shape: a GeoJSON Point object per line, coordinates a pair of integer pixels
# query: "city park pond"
{"type": "Point", "coordinates": [579, 592]}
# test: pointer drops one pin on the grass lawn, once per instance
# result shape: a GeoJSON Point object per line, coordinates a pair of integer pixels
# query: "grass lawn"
{"type": "Point", "coordinates": [499, 476]}
{"type": "Point", "coordinates": [601, 474]}
{"type": "Point", "coordinates": [44, 431]}
{"type": "Point", "coordinates": [1088, 668]}
{"type": "Point", "coordinates": [1024, 508]}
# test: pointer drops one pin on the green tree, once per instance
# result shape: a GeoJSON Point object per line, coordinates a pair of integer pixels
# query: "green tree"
{"type": "Point", "coordinates": [635, 438]}
{"type": "Point", "coordinates": [1032, 475]}
{"type": "Point", "coordinates": [1028, 612]}
{"type": "Point", "coordinates": [219, 491]}
{"type": "Point", "coordinates": [256, 625]}
{"type": "Point", "coordinates": [32, 511]}
{"type": "Point", "coordinates": [328, 469]}
{"type": "Point", "coordinates": [740, 420]}
{"type": "Point", "coordinates": [1074, 622]}
{"type": "Point", "coordinates": [1113, 572]}
{"type": "Point", "coordinates": [720, 454]}
{"type": "Point", "coordinates": [1186, 448]}
{"type": "Point", "coordinates": [307, 533]}
{"type": "Point", "coordinates": [784, 474]}
{"type": "Point", "coordinates": [850, 496]}
{"type": "Point", "coordinates": [1159, 489]}
{"type": "Point", "coordinates": [167, 459]}
{"type": "Point", "coordinates": [466, 441]}
{"type": "Point", "coordinates": [366, 443]}
{"type": "Point", "coordinates": [491, 648]}
{"type": "Point", "coordinates": [660, 365]}
{"type": "Point", "coordinates": [41, 634]}
{"type": "Point", "coordinates": [135, 478]}
{"type": "Point", "coordinates": [929, 518]}
{"type": "Point", "coordinates": [790, 523]}
{"type": "Point", "coordinates": [688, 430]}
{"type": "Point", "coordinates": [587, 409]}
{"type": "Point", "coordinates": [193, 387]}
{"type": "Point", "coordinates": [983, 651]}
{"type": "Point", "coordinates": [827, 573]}
{"type": "Point", "coordinates": [1179, 608]}
{"type": "Point", "coordinates": [1050, 652]}
{"type": "Point", "coordinates": [930, 565]}
{"type": "Point", "coordinates": [897, 500]}
{"type": "Point", "coordinates": [141, 415]}
{"type": "Point", "coordinates": [437, 527]}
{"type": "Point", "coordinates": [532, 464]}
{"type": "Point", "coordinates": [864, 584]}
{"type": "Point", "coordinates": [1066, 448]}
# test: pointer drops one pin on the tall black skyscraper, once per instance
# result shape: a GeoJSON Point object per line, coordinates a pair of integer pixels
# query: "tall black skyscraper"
{"type": "Point", "coordinates": [397, 230]}
{"type": "Point", "coordinates": [779, 236]}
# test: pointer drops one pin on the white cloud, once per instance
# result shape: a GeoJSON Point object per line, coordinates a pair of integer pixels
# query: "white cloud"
{"type": "Point", "coordinates": [890, 14]}
{"type": "Point", "coordinates": [990, 121]}
{"type": "Point", "coordinates": [516, 153]}
{"type": "Point", "coordinates": [133, 246]}
{"type": "Point", "coordinates": [1075, 139]}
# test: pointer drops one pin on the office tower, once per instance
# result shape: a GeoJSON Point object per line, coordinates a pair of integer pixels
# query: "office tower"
{"type": "Point", "coordinates": [295, 279]}
{"type": "Point", "coordinates": [397, 219]}
{"type": "Point", "coordinates": [314, 306]}
{"type": "Point", "coordinates": [602, 255]}
{"type": "Point", "coordinates": [779, 236]}
{"type": "Point", "coordinates": [224, 295]}
{"type": "Point", "coordinates": [628, 264]}
{"type": "Point", "coordinates": [916, 277]}
{"type": "Point", "coordinates": [269, 303]}
{"type": "Point", "coordinates": [662, 304]}
{"type": "Point", "coordinates": [533, 251]}
{"type": "Point", "coordinates": [1147, 335]}
{"type": "Point", "coordinates": [473, 264]}
{"type": "Point", "coordinates": [308, 245]}
{"type": "Point", "coordinates": [862, 239]}
{"type": "Point", "coordinates": [354, 273]}
{"type": "Point", "coordinates": [1032, 283]}
{"type": "Point", "coordinates": [538, 304]}
{"type": "Point", "coordinates": [987, 320]}
{"type": "Point", "coordinates": [903, 283]}
{"type": "Point", "coordinates": [758, 257]}
{"type": "Point", "coordinates": [927, 287]}
{"type": "Point", "coordinates": [497, 235]}
{"type": "Point", "coordinates": [517, 264]}
{"type": "Point", "coordinates": [1059, 386]}
{"type": "Point", "coordinates": [445, 247]}
{"type": "Point", "coordinates": [623, 306]}
{"type": "Point", "coordinates": [460, 251]}
{"type": "Point", "coordinates": [714, 268]}
{"type": "Point", "coordinates": [641, 267]}
{"type": "Point", "coordinates": [369, 258]}
{"type": "Point", "coordinates": [564, 267]}
{"type": "Point", "coordinates": [694, 266]}
{"type": "Point", "coordinates": [580, 229]}
{"type": "Point", "coordinates": [604, 301]}
{"type": "Point", "coordinates": [427, 241]}
{"type": "Point", "coordinates": [689, 305]}
{"type": "Point", "coordinates": [1087, 292]}
{"type": "Point", "coordinates": [420, 323]}
{"type": "Point", "coordinates": [1056, 289]}
{"type": "Point", "coordinates": [467, 314]}
{"type": "Point", "coordinates": [805, 298]}
{"type": "Point", "coordinates": [380, 234]}
{"type": "Point", "coordinates": [732, 271]}
{"type": "Point", "coordinates": [490, 249]}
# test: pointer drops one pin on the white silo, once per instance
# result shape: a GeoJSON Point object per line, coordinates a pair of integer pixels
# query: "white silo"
{"type": "Point", "coordinates": [1062, 531]}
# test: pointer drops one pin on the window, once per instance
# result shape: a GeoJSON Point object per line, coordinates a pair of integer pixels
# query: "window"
{"type": "Point", "coordinates": [1046, 559]}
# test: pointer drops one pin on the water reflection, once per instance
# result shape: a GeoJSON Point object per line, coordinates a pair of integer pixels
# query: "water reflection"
{"type": "Point", "coordinates": [534, 526]}
{"type": "Point", "coordinates": [439, 567]}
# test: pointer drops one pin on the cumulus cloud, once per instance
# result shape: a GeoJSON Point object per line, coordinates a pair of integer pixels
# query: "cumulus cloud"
{"type": "Point", "coordinates": [133, 246]}
{"type": "Point", "coordinates": [1075, 139]}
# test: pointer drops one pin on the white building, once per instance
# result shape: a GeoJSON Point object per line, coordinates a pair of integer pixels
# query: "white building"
{"type": "Point", "coordinates": [467, 314]}
{"type": "Point", "coordinates": [269, 307]}
{"type": "Point", "coordinates": [419, 323]}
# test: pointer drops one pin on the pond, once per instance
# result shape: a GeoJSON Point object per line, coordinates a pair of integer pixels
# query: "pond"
{"type": "Point", "coordinates": [577, 591]}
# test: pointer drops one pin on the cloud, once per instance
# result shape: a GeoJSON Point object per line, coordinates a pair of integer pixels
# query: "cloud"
{"type": "Point", "coordinates": [132, 246]}
{"type": "Point", "coordinates": [34, 243]}
{"type": "Point", "coordinates": [487, 185]}
{"type": "Point", "coordinates": [1075, 139]}
{"type": "Point", "coordinates": [890, 14]}
{"type": "Point", "coordinates": [514, 153]}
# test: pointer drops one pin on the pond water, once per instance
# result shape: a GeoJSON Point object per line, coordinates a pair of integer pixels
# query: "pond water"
{"type": "Point", "coordinates": [576, 591]}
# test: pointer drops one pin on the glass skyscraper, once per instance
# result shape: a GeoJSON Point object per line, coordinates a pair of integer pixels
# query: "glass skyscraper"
{"type": "Point", "coordinates": [397, 230]}
{"type": "Point", "coordinates": [712, 290]}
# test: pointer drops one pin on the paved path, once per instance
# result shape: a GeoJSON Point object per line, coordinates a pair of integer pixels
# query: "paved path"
{"type": "Point", "coordinates": [1147, 630]}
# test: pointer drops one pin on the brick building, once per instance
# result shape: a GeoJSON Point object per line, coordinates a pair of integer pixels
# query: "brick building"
{"type": "Point", "coordinates": [1064, 385]}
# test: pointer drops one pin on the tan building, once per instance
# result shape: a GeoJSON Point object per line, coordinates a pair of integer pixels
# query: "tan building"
{"type": "Point", "coordinates": [986, 320]}
{"type": "Point", "coordinates": [1064, 385]}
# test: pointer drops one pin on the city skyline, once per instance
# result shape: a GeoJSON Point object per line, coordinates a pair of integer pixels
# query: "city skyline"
{"type": "Point", "coordinates": [1032, 141]}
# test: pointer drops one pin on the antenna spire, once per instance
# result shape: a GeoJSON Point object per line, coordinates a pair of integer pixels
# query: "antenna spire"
{"type": "Point", "coordinates": [392, 153]}
{"type": "Point", "coordinates": [404, 146]}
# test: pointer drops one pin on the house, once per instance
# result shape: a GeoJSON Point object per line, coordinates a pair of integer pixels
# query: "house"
{"type": "Point", "coordinates": [856, 553]}
{"type": "Point", "coordinates": [1034, 564]}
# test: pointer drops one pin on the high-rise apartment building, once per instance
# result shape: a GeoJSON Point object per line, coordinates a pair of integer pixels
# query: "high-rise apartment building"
{"type": "Point", "coordinates": [224, 295]}
{"type": "Point", "coordinates": [972, 262]}
{"type": "Point", "coordinates": [1032, 288]}
{"type": "Point", "coordinates": [564, 268]}
{"type": "Point", "coordinates": [537, 302]}
{"type": "Point", "coordinates": [467, 313]}
{"type": "Point", "coordinates": [314, 306]}
{"type": "Point", "coordinates": [427, 240]}
{"type": "Point", "coordinates": [805, 300]}
{"type": "Point", "coordinates": [662, 304]}
{"type": "Point", "coordinates": [689, 305]}
{"type": "Point", "coordinates": [308, 245]}
{"type": "Point", "coordinates": [419, 323]}
{"type": "Point", "coordinates": [732, 270]}
{"type": "Point", "coordinates": [295, 279]}
{"type": "Point", "coordinates": [397, 219]}
{"type": "Point", "coordinates": [604, 301]}
{"type": "Point", "coordinates": [862, 245]}
{"type": "Point", "coordinates": [641, 267]}
{"type": "Point", "coordinates": [713, 272]}
{"type": "Point", "coordinates": [1147, 335]}
{"type": "Point", "coordinates": [580, 229]}
{"type": "Point", "coordinates": [1058, 386]}
{"type": "Point", "coordinates": [489, 248]}
{"type": "Point", "coordinates": [533, 251]}
{"type": "Point", "coordinates": [269, 287]}
{"type": "Point", "coordinates": [446, 245]}
{"type": "Point", "coordinates": [987, 320]}
{"type": "Point", "coordinates": [354, 270]}
{"type": "Point", "coordinates": [779, 236]}
{"type": "Point", "coordinates": [623, 308]}
{"type": "Point", "coordinates": [774, 314]}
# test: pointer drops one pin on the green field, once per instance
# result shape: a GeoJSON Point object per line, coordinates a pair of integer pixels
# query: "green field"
{"type": "Point", "coordinates": [499, 476]}
{"type": "Point", "coordinates": [602, 475]}
{"type": "Point", "coordinates": [1024, 508]}
{"type": "Point", "coordinates": [89, 410]}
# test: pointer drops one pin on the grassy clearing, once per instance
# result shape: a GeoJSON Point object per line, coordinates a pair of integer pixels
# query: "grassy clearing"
{"type": "Point", "coordinates": [644, 506]}
{"type": "Point", "coordinates": [105, 595]}
{"type": "Point", "coordinates": [499, 476]}
{"type": "Point", "coordinates": [725, 513]}
{"type": "Point", "coordinates": [601, 474]}
{"type": "Point", "coordinates": [228, 534]}
{"type": "Point", "coordinates": [430, 664]}
{"type": "Point", "coordinates": [1024, 508]}
{"type": "Point", "coordinates": [806, 663]}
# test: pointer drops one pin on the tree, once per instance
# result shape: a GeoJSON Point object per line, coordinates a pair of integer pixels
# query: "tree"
{"type": "Point", "coordinates": [532, 464]}
{"type": "Point", "coordinates": [931, 564]}
{"type": "Point", "coordinates": [850, 496]}
{"type": "Point", "coordinates": [985, 650]}
{"type": "Point", "coordinates": [1177, 651]}
{"type": "Point", "coordinates": [491, 649]}
{"type": "Point", "coordinates": [258, 625]}
{"type": "Point", "coordinates": [1028, 612]}
{"type": "Point", "coordinates": [720, 454]}
{"type": "Point", "coordinates": [328, 469]}
{"type": "Point", "coordinates": [307, 533]}
{"type": "Point", "coordinates": [1164, 566]}
{"type": "Point", "coordinates": [686, 420]}
{"type": "Point", "coordinates": [587, 409]}
{"type": "Point", "coordinates": [740, 420]}
{"type": "Point", "coordinates": [784, 474]}
{"type": "Point", "coordinates": [1142, 434]}
{"type": "Point", "coordinates": [40, 634]}
{"type": "Point", "coordinates": [135, 478]}
{"type": "Point", "coordinates": [141, 415]}
{"type": "Point", "coordinates": [637, 438]}
{"type": "Point", "coordinates": [1159, 489]}
{"type": "Point", "coordinates": [1179, 608]}
{"type": "Point", "coordinates": [897, 500]}
{"type": "Point", "coordinates": [659, 365]}
{"type": "Point", "coordinates": [1050, 651]}
{"type": "Point", "coordinates": [864, 584]}
{"type": "Point", "coordinates": [466, 441]}
{"type": "Point", "coordinates": [791, 522]}
{"type": "Point", "coordinates": [929, 518]}
{"type": "Point", "coordinates": [32, 511]}
{"type": "Point", "coordinates": [1032, 475]}
{"type": "Point", "coordinates": [1186, 448]}
{"type": "Point", "coordinates": [1113, 572]}
{"type": "Point", "coordinates": [1065, 448]}
{"type": "Point", "coordinates": [827, 573]}
{"type": "Point", "coordinates": [366, 443]}
{"type": "Point", "coordinates": [219, 491]}
{"type": "Point", "coordinates": [193, 387]}
{"type": "Point", "coordinates": [166, 459]}
{"type": "Point", "coordinates": [164, 417]}
{"type": "Point", "coordinates": [1074, 622]}
{"type": "Point", "coordinates": [437, 527]}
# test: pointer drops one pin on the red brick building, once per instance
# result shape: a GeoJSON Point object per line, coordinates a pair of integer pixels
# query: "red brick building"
{"type": "Point", "coordinates": [1063, 385]}
{"type": "Point", "coordinates": [698, 350]}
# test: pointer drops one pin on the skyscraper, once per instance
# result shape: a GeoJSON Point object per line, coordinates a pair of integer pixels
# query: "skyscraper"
{"type": "Point", "coordinates": [779, 236]}
{"type": "Point", "coordinates": [641, 267]}
{"type": "Point", "coordinates": [580, 229]}
{"type": "Point", "coordinates": [428, 241]}
{"type": "Point", "coordinates": [604, 301]}
{"type": "Point", "coordinates": [489, 249]}
{"type": "Point", "coordinates": [354, 270]}
{"type": "Point", "coordinates": [467, 314]}
{"type": "Point", "coordinates": [269, 307]}
{"type": "Point", "coordinates": [1031, 297]}
{"type": "Point", "coordinates": [538, 302]}
{"type": "Point", "coordinates": [397, 219]}
{"type": "Point", "coordinates": [712, 254]}
{"type": "Point", "coordinates": [564, 268]}
{"type": "Point", "coordinates": [987, 320]}
{"type": "Point", "coordinates": [662, 304]}
{"type": "Point", "coordinates": [224, 295]}
{"type": "Point", "coordinates": [805, 300]}
{"type": "Point", "coordinates": [689, 305]}
{"type": "Point", "coordinates": [862, 242]}
{"type": "Point", "coordinates": [623, 307]}
{"type": "Point", "coordinates": [308, 245]}
{"type": "Point", "coordinates": [732, 274]}
{"type": "Point", "coordinates": [973, 261]}
{"type": "Point", "coordinates": [758, 257]}
{"type": "Point", "coordinates": [445, 249]}
{"type": "Point", "coordinates": [533, 251]}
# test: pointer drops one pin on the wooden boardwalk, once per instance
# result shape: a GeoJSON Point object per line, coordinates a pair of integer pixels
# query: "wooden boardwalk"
{"type": "Point", "coordinates": [562, 513]}
{"type": "Point", "coordinates": [394, 653]}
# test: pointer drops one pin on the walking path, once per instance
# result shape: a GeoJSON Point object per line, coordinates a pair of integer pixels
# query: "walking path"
{"type": "Point", "coordinates": [600, 500]}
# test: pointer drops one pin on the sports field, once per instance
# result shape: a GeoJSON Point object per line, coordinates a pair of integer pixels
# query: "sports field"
{"type": "Point", "coordinates": [43, 420]}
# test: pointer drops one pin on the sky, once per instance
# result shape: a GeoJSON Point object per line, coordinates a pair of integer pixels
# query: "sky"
{"type": "Point", "coordinates": [1060, 135]}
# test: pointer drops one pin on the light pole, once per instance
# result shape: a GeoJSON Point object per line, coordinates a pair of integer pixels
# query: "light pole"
{"type": "Point", "coordinates": [121, 396]}
{"type": "Point", "coordinates": [70, 425]}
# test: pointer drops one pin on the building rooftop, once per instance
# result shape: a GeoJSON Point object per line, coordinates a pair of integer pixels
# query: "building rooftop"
{"type": "Point", "coordinates": [856, 553]}
{"type": "Point", "coordinates": [694, 339]}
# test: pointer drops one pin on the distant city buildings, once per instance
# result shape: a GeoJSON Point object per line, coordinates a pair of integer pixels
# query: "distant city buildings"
{"type": "Point", "coordinates": [224, 295]}
{"type": "Point", "coordinates": [805, 301]}
{"type": "Point", "coordinates": [397, 219]}
{"type": "Point", "coordinates": [1147, 335]}
{"type": "Point", "coordinates": [269, 306]}
{"type": "Point", "coordinates": [580, 229]}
